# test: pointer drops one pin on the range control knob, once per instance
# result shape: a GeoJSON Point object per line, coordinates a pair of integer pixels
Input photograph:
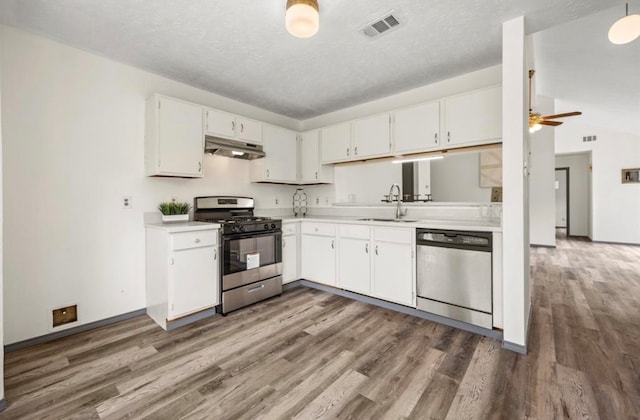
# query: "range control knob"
{"type": "Point", "coordinates": [273, 225]}
{"type": "Point", "coordinates": [241, 228]}
{"type": "Point", "coordinates": [234, 228]}
{"type": "Point", "coordinates": [266, 226]}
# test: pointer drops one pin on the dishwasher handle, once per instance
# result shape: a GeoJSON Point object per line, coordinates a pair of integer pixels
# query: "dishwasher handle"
{"type": "Point", "coordinates": [477, 241]}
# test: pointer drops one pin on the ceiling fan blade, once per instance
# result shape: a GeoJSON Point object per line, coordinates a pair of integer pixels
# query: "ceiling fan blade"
{"type": "Point", "coordinates": [551, 123]}
{"type": "Point", "coordinates": [566, 114]}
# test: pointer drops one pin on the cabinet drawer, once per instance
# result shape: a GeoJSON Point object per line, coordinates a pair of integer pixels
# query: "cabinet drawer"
{"type": "Point", "coordinates": [185, 240]}
{"type": "Point", "coordinates": [400, 236]}
{"type": "Point", "coordinates": [354, 231]}
{"type": "Point", "coordinates": [289, 229]}
{"type": "Point", "coordinates": [323, 229]}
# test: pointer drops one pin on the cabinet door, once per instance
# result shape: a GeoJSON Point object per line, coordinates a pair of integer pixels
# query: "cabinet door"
{"type": "Point", "coordinates": [281, 154]}
{"type": "Point", "coordinates": [180, 137]}
{"type": "Point", "coordinates": [193, 281]}
{"type": "Point", "coordinates": [220, 123]}
{"type": "Point", "coordinates": [336, 143]}
{"type": "Point", "coordinates": [371, 136]}
{"type": "Point", "coordinates": [393, 268]}
{"type": "Point", "coordinates": [289, 259]}
{"type": "Point", "coordinates": [310, 156]}
{"type": "Point", "coordinates": [417, 128]}
{"type": "Point", "coordinates": [354, 265]}
{"type": "Point", "coordinates": [249, 130]}
{"type": "Point", "coordinates": [473, 118]}
{"type": "Point", "coordinates": [318, 259]}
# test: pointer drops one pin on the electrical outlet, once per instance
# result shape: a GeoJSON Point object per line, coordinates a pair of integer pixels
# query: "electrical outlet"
{"type": "Point", "coordinates": [126, 202]}
{"type": "Point", "coordinates": [277, 201]}
{"type": "Point", "coordinates": [174, 198]}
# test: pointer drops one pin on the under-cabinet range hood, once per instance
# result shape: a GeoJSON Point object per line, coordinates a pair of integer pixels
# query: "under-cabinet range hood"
{"type": "Point", "coordinates": [232, 148]}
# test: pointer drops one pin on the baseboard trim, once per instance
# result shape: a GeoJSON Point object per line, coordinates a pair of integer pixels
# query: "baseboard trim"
{"type": "Point", "coordinates": [616, 243]}
{"type": "Point", "coordinates": [181, 322]}
{"type": "Point", "coordinates": [3, 404]}
{"type": "Point", "coordinates": [291, 285]}
{"type": "Point", "coordinates": [71, 331]}
{"type": "Point", "coordinates": [542, 246]}
{"type": "Point", "coordinates": [514, 347]}
{"type": "Point", "coordinates": [497, 335]}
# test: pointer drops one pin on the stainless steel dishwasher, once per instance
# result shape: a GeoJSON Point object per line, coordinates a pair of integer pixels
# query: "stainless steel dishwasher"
{"type": "Point", "coordinates": [454, 275]}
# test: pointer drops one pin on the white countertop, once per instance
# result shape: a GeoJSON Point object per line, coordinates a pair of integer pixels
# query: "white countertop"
{"type": "Point", "coordinates": [465, 225]}
{"type": "Point", "coordinates": [183, 226]}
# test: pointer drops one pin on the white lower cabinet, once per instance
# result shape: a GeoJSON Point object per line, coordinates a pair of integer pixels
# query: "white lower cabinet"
{"type": "Point", "coordinates": [182, 272]}
{"type": "Point", "coordinates": [354, 258]}
{"type": "Point", "coordinates": [370, 260]}
{"type": "Point", "coordinates": [318, 252]}
{"type": "Point", "coordinates": [393, 268]}
{"type": "Point", "coordinates": [289, 252]}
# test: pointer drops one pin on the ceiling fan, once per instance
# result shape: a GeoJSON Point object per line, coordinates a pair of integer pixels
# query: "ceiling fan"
{"type": "Point", "coordinates": [536, 120]}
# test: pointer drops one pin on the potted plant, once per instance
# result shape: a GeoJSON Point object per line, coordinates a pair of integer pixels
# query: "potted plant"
{"type": "Point", "coordinates": [173, 211]}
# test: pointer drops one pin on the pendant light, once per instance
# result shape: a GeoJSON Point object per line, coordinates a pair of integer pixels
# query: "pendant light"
{"type": "Point", "coordinates": [302, 18]}
{"type": "Point", "coordinates": [625, 29]}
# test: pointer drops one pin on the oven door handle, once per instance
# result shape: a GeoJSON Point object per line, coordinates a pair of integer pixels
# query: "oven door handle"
{"type": "Point", "coordinates": [252, 235]}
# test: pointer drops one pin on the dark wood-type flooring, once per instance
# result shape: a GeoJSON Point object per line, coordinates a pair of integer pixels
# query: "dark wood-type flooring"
{"type": "Point", "coordinates": [311, 355]}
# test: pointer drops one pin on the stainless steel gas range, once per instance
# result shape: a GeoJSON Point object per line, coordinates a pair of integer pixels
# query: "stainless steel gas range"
{"type": "Point", "coordinates": [251, 247]}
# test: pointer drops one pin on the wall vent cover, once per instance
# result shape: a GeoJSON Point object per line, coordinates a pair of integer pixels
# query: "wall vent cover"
{"type": "Point", "coordinates": [381, 25]}
{"type": "Point", "coordinates": [589, 138]}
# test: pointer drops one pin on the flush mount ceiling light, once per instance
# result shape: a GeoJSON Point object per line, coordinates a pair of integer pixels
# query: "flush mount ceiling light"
{"type": "Point", "coordinates": [625, 29]}
{"type": "Point", "coordinates": [302, 18]}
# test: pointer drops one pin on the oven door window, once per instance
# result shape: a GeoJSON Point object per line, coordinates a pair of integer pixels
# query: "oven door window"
{"type": "Point", "coordinates": [246, 253]}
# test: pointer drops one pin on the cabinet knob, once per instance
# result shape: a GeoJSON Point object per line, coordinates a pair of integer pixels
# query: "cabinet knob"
{"type": "Point", "coordinates": [366, 248]}
{"type": "Point", "coordinates": [448, 137]}
{"type": "Point", "coordinates": [199, 166]}
{"type": "Point", "coordinates": [241, 127]}
{"type": "Point", "coordinates": [347, 152]}
{"type": "Point", "coordinates": [435, 138]}
{"type": "Point", "coordinates": [267, 173]}
{"type": "Point", "coordinates": [215, 254]}
{"type": "Point", "coordinates": [233, 126]}
{"type": "Point", "coordinates": [355, 151]}
{"type": "Point", "coordinates": [333, 245]}
{"type": "Point", "coordinates": [377, 250]}
{"type": "Point", "coordinates": [316, 175]}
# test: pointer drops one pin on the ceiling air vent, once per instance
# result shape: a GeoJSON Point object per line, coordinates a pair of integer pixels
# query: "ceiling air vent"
{"type": "Point", "coordinates": [589, 138]}
{"type": "Point", "coordinates": [380, 26]}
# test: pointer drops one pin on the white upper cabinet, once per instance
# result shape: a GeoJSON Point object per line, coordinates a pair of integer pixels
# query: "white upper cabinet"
{"type": "Point", "coordinates": [336, 143]}
{"type": "Point", "coordinates": [174, 140]}
{"type": "Point", "coordinates": [279, 165]}
{"type": "Point", "coordinates": [249, 130]}
{"type": "Point", "coordinates": [226, 125]}
{"type": "Point", "coordinates": [371, 136]}
{"type": "Point", "coordinates": [474, 117]}
{"type": "Point", "coordinates": [311, 169]}
{"type": "Point", "coordinates": [417, 128]}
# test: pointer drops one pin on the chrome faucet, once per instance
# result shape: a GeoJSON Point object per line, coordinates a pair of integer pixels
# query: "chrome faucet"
{"type": "Point", "coordinates": [398, 209]}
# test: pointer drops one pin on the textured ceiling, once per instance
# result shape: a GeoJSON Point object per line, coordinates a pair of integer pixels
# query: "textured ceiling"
{"type": "Point", "coordinates": [577, 64]}
{"type": "Point", "coordinates": [240, 48]}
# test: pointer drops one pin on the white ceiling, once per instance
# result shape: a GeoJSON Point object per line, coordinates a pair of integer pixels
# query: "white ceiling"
{"type": "Point", "coordinates": [577, 64]}
{"type": "Point", "coordinates": [240, 48]}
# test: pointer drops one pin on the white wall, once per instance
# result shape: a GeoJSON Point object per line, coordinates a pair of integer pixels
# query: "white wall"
{"type": "Point", "coordinates": [457, 178]}
{"type": "Point", "coordinates": [367, 182]}
{"type": "Point", "coordinates": [541, 180]}
{"type": "Point", "coordinates": [516, 293]}
{"type": "Point", "coordinates": [578, 165]}
{"type": "Point", "coordinates": [73, 137]}
{"type": "Point", "coordinates": [615, 206]}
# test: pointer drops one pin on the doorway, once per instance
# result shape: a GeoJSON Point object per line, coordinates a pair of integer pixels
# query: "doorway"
{"type": "Point", "coordinates": [562, 202]}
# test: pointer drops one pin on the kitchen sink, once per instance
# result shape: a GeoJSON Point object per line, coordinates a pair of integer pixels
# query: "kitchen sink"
{"type": "Point", "coordinates": [388, 220]}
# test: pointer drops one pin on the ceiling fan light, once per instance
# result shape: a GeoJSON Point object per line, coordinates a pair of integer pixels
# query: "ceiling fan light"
{"type": "Point", "coordinates": [302, 19]}
{"type": "Point", "coordinates": [535, 127]}
{"type": "Point", "coordinates": [625, 29]}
